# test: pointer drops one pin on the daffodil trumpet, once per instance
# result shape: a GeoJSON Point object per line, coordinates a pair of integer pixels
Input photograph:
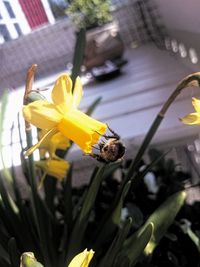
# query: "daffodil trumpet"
{"type": "Point", "coordinates": [62, 116]}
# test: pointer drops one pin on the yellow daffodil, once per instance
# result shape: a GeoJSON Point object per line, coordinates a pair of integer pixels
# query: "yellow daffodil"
{"type": "Point", "coordinates": [82, 259]}
{"type": "Point", "coordinates": [50, 145]}
{"type": "Point", "coordinates": [53, 167]}
{"type": "Point", "coordinates": [61, 115]}
{"type": "Point", "coordinates": [193, 118]}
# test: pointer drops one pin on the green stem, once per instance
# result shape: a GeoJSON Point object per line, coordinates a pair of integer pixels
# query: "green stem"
{"type": "Point", "coordinates": [190, 80]}
{"type": "Point", "coordinates": [32, 173]}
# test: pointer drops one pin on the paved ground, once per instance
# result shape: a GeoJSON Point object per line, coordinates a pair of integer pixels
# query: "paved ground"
{"type": "Point", "coordinates": [131, 101]}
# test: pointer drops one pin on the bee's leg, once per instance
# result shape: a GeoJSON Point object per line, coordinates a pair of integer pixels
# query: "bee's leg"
{"type": "Point", "coordinates": [115, 135]}
{"type": "Point", "coordinates": [98, 148]}
{"type": "Point", "coordinates": [97, 157]}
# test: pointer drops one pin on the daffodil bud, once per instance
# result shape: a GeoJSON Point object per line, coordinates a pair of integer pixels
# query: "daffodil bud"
{"type": "Point", "coordinates": [28, 260]}
{"type": "Point", "coordinates": [82, 259]}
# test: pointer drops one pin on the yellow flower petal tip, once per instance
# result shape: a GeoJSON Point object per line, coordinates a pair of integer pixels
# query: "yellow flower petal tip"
{"type": "Point", "coordinates": [53, 167]}
{"type": "Point", "coordinates": [62, 114]}
{"type": "Point", "coordinates": [82, 259]}
{"type": "Point", "coordinates": [193, 118]}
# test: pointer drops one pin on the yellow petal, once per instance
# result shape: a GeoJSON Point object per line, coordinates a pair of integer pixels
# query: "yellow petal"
{"type": "Point", "coordinates": [192, 118]}
{"type": "Point", "coordinates": [82, 259]}
{"type": "Point", "coordinates": [82, 129]}
{"type": "Point", "coordinates": [77, 93]}
{"type": "Point", "coordinates": [55, 168]}
{"type": "Point", "coordinates": [196, 104]}
{"type": "Point", "coordinates": [42, 114]}
{"type": "Point", "coordinates": [62, 92]}
{"type": "Point", "coordinates": [46, 138]}
{"type": "Point", "coordinates": [94, 124]}
{"type": "Point", "coordinates": [60, 141]}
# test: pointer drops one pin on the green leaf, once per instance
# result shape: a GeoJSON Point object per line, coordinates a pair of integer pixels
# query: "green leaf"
{"type": "Point", "coordinates": [3, 255]}
{"type": "Point", "coordinates": [110, 223]}
{"type": "Point", "coordinates": [163, 217]}
{"type": "Point", "coordinates": [135, 245]}
{"type": "Point", "coordinates": [78, 54]}
{"type": "Point", "coordinates": [50, 184]}
{"type": "Point", "coordinates": [82, 220]}
{"type": "Point", "coordinates": [68, 209]}
{"type": "Point", "coordinates": [14, 254]}
{"type": "Point", "coordinates": [116, 245]}
{"type": "Point", "coordinates": [92, 107]}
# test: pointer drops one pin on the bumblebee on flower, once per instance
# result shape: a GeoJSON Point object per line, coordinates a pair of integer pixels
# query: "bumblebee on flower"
{"type": "Point", "coordinates": [62, 116]}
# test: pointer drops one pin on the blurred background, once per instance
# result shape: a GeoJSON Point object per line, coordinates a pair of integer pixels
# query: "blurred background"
{"type": "Point", "coordinates": [136, 53]}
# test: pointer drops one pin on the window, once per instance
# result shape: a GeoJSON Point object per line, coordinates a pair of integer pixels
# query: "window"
{"type": "Point", "coordinates": [18, 29]}
{"type": "Point", "coordinates": [9, 9]}
{"type": "Point", "coordinates": [4, 32]}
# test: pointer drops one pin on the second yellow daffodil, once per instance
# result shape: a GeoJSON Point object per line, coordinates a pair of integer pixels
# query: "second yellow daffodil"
{"type": "Point", "coordinates": [193, 118]}
{"type": "Point", "coordinates": [61, 115]}
{"type": "Point", "coordinates": [53, 167]}
{"type": "Point", "coordinates": [50, 145]}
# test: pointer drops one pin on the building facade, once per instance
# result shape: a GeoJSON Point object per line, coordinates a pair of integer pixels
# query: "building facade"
{"type": "Point", "coordinates": [19, 17]}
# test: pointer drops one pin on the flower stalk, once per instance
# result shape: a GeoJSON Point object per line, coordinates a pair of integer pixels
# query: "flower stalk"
{"type": "Point", "coordinates": [28, 88]}
{"type": "Point", "coordinates": [31, 169]}
{"type": "Point", "coordinates": [192, 80]}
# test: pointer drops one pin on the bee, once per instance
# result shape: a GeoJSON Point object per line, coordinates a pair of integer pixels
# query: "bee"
{"type": "Point", "coordinates": [110, 150]}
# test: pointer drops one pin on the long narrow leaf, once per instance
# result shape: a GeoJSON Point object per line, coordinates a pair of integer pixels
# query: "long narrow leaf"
{"type": "Point", "coordinates": [78, 53]}
{"type": "Point", "coordinates": [116, 245]}
{"type": "Point", "coordinates": [111, 222]}
{"type": "Point", "coordinates": [82, 220]}
{"type": "Point", "coordinates": [14, 254]}
{"type": "Point", "coordinates": [135, 245]}
{"type": "Point", "coordinates": [163, 217]}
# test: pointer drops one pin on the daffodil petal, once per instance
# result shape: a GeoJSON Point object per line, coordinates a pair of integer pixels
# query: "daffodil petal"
{"type": "Point", "coordinates": [77, 93]}
{"type": "Point", "coordinates": [55, 168]}
{"type": "Point", "coordinates": [192, 118]}
{"type": "Point", "coordinates": [62, 92]}
{"type": "Point", "coordinates": [196, 104]}
{"type": "Point", "coordinates": [42, 114]}
{"type": "Point", "coordinates": [44, 139]}
{"type": "Point", "coordinates": [92, 123]}
{"type": "Point", "coordinates": [82, 259]}
{"type": "Point", "coordinates": [82, 130]}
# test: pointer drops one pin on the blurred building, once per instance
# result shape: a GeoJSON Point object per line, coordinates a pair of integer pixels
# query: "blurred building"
{"type": "Point", "coordinates": [21, 16]}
